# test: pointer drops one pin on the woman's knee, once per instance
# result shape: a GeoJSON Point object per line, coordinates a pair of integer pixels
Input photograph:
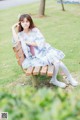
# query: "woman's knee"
{"type": "Point", "coordinates": [57, 63]}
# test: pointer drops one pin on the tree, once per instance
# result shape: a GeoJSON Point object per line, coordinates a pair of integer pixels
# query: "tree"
{"type": "Point", "coordinates": [62, 5]}
{"type": "Point", "coordinates": [42, 8]}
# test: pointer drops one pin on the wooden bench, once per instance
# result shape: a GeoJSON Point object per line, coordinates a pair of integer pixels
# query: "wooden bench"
{"type": "Point", "coordinates": [33, 71]}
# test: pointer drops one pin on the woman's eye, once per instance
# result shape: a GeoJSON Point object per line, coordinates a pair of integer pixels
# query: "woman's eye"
{"type": "Point", "coordinates": [24, 21]}
{"type": "Point", "coordinates": [27, 21]}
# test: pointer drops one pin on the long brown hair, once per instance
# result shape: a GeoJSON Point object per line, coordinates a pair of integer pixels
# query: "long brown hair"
{"type": "Point", "coordinates": [28, 17]}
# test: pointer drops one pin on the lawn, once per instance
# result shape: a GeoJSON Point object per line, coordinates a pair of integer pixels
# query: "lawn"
{"type": "Point", "coordinates": [61, 30]}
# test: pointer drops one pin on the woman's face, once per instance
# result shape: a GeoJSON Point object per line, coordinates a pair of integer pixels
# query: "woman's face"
{"type": "Point", "coordinates": [25, 23]}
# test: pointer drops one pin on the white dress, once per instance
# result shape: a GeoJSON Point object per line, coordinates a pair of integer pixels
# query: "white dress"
{"type": "Point", "coordinates": [45, 54]}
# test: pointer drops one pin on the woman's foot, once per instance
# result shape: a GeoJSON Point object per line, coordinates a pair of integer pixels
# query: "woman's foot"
{"type": "Point", "coordinates": [58, 83]}
{"type": "Point", "coordinates": [72, 81]}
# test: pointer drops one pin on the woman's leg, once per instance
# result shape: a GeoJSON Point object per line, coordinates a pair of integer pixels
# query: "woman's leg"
{"type": "Point", "coordinates": [67, 73]}
{"type": "Point", "coordinates": [54, 77]}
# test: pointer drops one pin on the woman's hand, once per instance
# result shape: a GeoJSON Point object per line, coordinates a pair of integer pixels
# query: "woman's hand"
{"type": "Point", "coordinates": [31, 43]}
{"type": "Point", "coordinates": [15, 25]}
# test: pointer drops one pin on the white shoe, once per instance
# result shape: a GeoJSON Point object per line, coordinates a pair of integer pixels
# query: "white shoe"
{"type": "Point", "coordinates": [58, 83]}
{"type": "Point", "coordinates": [73, 82]}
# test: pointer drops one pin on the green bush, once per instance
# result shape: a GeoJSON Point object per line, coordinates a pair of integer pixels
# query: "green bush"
{"type": "Point", "coordinates": [31, 104]}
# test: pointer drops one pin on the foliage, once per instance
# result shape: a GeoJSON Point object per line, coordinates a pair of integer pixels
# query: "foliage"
{"type": "Point", "coordinates": [32, 104]}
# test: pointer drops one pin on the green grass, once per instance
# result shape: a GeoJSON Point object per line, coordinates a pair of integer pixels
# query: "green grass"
{"type": "Point", "coordinates": [61, 30]}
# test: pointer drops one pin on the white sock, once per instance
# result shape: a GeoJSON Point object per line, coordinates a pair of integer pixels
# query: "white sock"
{"type": "Point", "coordinates": [54, 77]}
{"type": "Point", "coordinates": [67, 73]}
{"type": "Point", "coordinates": [65, 69]}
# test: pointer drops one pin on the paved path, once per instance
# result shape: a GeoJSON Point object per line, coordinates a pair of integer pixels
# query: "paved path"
{"type": "Point", "coordinates": [4, 4]}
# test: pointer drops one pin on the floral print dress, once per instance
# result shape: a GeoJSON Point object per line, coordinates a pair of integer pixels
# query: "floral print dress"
{"type": "Point", "coordinates": [45, 54]}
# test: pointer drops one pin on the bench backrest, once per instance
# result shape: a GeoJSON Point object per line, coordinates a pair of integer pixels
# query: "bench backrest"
{"type": "Point", "coordinates": [19, 53]}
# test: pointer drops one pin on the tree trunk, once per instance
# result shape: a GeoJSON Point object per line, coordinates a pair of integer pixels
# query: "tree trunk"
{"type": "Point", "coordinates": [42, 8]}
{"type": "Point", "coordinates": [62, 5]}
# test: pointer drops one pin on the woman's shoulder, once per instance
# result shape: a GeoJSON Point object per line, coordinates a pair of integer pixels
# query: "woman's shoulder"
{"type": "Point", "coordinates": [35, 29]}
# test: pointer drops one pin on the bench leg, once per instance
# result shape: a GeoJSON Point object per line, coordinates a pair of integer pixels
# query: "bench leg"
{"type": "Point", "coordinates": [34, 81]}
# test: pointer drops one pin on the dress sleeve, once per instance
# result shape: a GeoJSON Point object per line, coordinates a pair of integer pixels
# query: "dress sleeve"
{"type": "Point", "coordinates": [39, 39]}
{"type": "Point", "coordinates": [13, 41]}
{"type": "Point", "coordinates": [24, 46]}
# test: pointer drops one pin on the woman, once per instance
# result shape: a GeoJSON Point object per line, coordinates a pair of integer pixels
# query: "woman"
{"type": "Point", "coordinates": [37, 51]}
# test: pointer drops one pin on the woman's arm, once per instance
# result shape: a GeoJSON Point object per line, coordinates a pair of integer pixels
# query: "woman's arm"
{"type": "Point", "coordinates": [15, 36]}
{"type": "Point", "coordinates": [39, 39]}
{"type": "Point", "coordinates": [31, 43]}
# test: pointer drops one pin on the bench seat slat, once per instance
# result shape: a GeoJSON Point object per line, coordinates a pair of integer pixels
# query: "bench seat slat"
{"type": "Point", "coordinates": [50, 70]}
{"type": "Point", "coordinates": [43, 70]}
{"type": "Point", "coordinates": [36, 70]}
{"type": "Point", "coordinates": [29, 71]}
